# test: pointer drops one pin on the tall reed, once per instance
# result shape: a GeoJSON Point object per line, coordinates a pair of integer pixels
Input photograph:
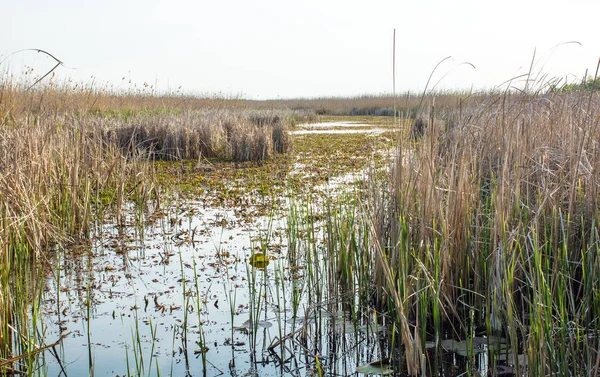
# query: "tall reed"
{"type": "Point", "coordinates": [491, 223]}
{"type": "Point", "coordinates": [71, 154]}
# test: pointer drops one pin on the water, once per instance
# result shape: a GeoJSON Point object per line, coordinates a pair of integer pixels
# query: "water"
{"type": "Point", "coordinates": [374, 131]}
{"type": "Point", "coordinates": [339, 127]}
{"type": "Point", "coordinates": [143, 297]}
{"type": "Point", "coordinates": [334, 125]}
{"type": "Point", "coordinates": [176, 295]}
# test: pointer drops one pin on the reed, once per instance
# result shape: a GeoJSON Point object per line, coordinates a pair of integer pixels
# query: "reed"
{"type": "Point", "coordinates": [70, 155]}
{"type": "Point", "coordinates": [488, 224]}
{"type": "Point", "coordinates": [222, 134]}
{"type": "Point", "coordinates": [54, 177]}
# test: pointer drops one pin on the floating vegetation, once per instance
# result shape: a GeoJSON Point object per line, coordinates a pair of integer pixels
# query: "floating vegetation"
{"type": "Point", "coordinates": [248, 325]}
{"type": "Point", "coordinates": [376, 367]}
{"type": "Point", "coordinates": [259, 260]}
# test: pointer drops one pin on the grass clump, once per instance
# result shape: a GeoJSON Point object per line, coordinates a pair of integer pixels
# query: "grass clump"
{"type": "Point", "coordinates": [57, 179]}
{"type": "Point", "coordinates": [490, 226]}
{"type": "Point", "coordinates": [224, 134]}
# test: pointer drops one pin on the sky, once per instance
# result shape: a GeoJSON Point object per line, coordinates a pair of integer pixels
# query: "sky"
{"type": "Point", "coordinates": [269, 49]}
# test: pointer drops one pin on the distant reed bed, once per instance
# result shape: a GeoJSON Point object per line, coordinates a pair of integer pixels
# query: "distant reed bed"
{"type": "Point", "coordinates": [129, 98]}
{"type": "Point", "coordinates": [407, 104]}
{"type": "Point", "coordinates": [19, 96]}
{"type": "Point", "coordinates": [167, 127]}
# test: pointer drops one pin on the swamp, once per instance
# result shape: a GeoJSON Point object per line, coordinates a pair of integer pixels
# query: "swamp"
{"type": "Point", "coordinates": [184, 236]}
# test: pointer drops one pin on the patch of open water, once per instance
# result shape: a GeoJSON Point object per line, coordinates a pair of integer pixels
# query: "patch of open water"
{"type": "Point", "coordinates": [331, 125]}
{"type": "Point", "coordinates": [373, 130]}
{"type": "Point", "coordinates": [149, 305]}
{"type": "Point", "coordinates": [341, 127]}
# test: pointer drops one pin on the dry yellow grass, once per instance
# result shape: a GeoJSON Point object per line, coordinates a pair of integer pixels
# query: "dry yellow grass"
{"type": "Point", "coordinates": [496, 217]}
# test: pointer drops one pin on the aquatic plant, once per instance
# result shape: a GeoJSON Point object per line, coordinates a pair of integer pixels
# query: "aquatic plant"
{"type": "Point", "coordinates": [56, 178]}
{"type": "Point", "coordinates": [490, 226]}
{"type": "Point", "coordinates": [197, 135]}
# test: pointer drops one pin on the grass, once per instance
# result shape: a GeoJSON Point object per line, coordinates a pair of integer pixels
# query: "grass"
{"type": "Point", "coordinates": [490, 226]}
{"type": "Point", "coordinates": [486, 226]}
{"type": "Point", "coordinates": [66, 164]}
{"type": "Point", "coordinates": [53, 179]}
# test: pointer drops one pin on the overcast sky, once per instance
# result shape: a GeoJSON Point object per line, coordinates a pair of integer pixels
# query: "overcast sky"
{"type": "Point", "coordinates": [279, 49]}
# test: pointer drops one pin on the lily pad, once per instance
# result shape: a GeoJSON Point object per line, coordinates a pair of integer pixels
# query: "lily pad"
{"type": "Point", "coordinates": [492, 339]}
{"type": "Point", "coordinates": [259, 260]}
{"type": "Point", "coordinates": [247, 326]}
{"type": "Point", "coordinates": [376, 367]}
{"type": "Point", "coordinates": [462, 348]}
{"type": "Point", "coordinates": [476, 346]}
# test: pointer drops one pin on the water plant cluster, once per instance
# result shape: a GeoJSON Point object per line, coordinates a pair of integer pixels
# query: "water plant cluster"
{"type": "Point", "coordinates": [487, 227]}
{"type": "Point", "coordinates": [223, 134]}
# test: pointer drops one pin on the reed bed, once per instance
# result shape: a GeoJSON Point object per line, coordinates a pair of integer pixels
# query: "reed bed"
{"type": "Point", "coordinates": [224, 134]}
{"type": "Point", "coordinates": [164, 126]}
{"type": "Point", "coordinates": [19, 97]}
{"type": "Point", "coordinates": [129, 99]}
{"type": "Point", "coordinates": [70, 157]}
{"type": "Point", "coordinates": [56, 180]}
{"type": "Point", "coordinates": [487, 226]}
{"type": "Point", "coordinates": [407, 104]}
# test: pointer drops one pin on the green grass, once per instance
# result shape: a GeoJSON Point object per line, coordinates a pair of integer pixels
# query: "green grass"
{"type": "Point", "coordinates": [489, 228]}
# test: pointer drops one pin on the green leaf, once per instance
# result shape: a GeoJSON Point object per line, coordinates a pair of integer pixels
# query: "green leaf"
{"type": "Point", "coordinates": [259, 260]}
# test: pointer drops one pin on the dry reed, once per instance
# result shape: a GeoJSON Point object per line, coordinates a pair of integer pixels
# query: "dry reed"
{"type": "Point", "coordinates": [497, 216]}
{"type": "Point", "coordinates": [71, 155]}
